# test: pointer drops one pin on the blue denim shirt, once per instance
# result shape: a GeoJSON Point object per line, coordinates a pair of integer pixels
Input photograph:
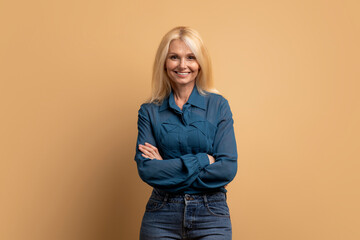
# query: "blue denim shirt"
{"type": "Point", "coordinates": [184, 138]}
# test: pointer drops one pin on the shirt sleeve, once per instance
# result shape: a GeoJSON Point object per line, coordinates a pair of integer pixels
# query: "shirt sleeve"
{"type": "Point", "coordinates": [172, 175]}
{"type": "Point", "coordinates": [224, 169]}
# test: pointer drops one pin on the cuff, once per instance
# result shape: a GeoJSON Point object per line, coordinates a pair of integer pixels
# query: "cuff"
{"type": "Point", "coordinates": [203, 160]}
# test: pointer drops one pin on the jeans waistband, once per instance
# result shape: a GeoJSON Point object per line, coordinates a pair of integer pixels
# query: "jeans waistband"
{"type": "Point", "coordinates": [199, 197]}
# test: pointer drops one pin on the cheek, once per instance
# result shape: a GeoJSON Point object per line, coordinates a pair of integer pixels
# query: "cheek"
{"type": "Point", "coordinates": [170, 64]}
{"type": "Point", "coordinates": [195, 66]}
{"type": "Point", "coordinates": [169, 73]}
{"type": "Point", "coordinates": [195, 70]}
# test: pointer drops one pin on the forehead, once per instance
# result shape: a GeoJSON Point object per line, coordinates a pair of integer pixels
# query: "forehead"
{"type": "Point", "coordinates": [179, 46]}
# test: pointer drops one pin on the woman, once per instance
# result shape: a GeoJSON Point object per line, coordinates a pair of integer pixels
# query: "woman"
{"type": "Point", "coordinates": [186, 147]}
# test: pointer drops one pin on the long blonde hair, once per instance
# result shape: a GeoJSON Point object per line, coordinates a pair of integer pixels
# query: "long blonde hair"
{"type": "Point", "coordinates": [161, 87]}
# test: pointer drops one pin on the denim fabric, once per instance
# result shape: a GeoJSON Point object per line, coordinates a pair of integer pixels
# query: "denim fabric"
{"type": "Point", "coordinates": [184, 138]}
{"type": "Point", "coordinates": [186, 216]}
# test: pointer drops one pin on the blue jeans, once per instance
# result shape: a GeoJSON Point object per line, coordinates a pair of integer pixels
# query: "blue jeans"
{"type": "Point", "coordinates": [186, 216]}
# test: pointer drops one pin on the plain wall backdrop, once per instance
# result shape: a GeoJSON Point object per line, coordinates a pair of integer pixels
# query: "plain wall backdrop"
{"type": "Point", "coordinates": [74, 73]}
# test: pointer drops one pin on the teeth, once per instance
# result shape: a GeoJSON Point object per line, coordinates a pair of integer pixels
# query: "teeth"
{"type": "Point", "coordinates": [182, 73]}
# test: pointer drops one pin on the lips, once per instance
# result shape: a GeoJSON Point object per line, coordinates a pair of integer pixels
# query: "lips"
{"type": "Point", "coordinates": [182, 73]}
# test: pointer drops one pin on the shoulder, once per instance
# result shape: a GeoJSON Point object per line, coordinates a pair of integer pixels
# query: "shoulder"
{"type": "Point", "coordinates": [147, 109]}
{"type": "Point", "coordinates": [216, 99]}
{"type": "Point", "coordinates": [218, 105]}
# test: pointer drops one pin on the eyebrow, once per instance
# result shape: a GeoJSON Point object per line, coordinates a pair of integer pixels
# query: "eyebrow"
{"type": "Point", "coordinates": [177, 54]}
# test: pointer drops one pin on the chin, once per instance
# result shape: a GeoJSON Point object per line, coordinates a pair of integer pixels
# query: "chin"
{"type": "Point", "coordinates": [183, 82]}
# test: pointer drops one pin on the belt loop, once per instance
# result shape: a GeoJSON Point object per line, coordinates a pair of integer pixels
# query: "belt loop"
{"type": "Point", "coordinates": [166, 197]}
{"type": "Point", "coordinates": [205, 200]}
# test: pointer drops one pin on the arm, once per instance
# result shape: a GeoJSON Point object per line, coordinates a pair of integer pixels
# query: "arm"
{"type": "Point", "coordinates": [224, 169]}
{"type": "Point", "coordinates": [170, 174]}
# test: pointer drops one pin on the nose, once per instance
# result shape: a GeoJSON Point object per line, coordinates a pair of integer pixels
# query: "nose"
{"type": "Point", "coordinates": [182, 64]}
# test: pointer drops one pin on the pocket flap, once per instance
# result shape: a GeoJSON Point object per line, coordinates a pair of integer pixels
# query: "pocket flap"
{"type": "Point", "coordinates": [170, 127]}
{"type": "Point", "coordinates": [201, 126]}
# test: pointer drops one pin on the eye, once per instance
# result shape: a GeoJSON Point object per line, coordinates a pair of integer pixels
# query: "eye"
{"type": "Point", "coordinates": [173, 57]}
{"type": "Point", "coordinates": [191, 57]}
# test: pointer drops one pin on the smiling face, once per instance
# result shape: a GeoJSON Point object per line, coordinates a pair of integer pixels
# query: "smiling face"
{"type": "Point", "coordinates": [181, 65]}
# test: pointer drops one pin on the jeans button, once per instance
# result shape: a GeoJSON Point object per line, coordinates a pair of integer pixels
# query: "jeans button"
{"type": "Point", "coordinates": [187, 197]}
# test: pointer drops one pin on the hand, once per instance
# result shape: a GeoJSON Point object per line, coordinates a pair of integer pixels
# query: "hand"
{"type": "Point", "coordinates": [211, 159]}
{"type": "Point", "coordinates": [149, 151]}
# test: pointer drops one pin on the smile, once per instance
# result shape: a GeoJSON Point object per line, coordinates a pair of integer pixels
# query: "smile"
{"type": "Point", "coordinates": [182, 73]}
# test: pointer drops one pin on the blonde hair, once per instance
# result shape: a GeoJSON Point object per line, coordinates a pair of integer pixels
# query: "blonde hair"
{"type": "Point", "coordinates": [161, 87]}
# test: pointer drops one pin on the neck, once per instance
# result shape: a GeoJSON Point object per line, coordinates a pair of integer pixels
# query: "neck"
{"type": "Point", "coordinates": [182, 94]}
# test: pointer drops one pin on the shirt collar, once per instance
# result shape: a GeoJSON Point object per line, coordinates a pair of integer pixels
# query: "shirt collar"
{"type": "Point", "coordinates": [195, 99]}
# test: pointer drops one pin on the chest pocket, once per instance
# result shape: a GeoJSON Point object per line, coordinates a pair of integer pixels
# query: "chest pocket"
{"type": "Point", "coordinates": [200, 136]}
{"type": "Point", "coordinates": [170, 136]}
{"type": "Point", "coordinates": [196, 137]}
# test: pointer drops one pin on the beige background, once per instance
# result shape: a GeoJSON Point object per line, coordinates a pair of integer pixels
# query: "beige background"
{"type": "Point", "coordinates": [72, 77]}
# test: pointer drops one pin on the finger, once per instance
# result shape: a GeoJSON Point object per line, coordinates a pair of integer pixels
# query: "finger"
{"type": "Point", "coordinates": [157, 151]}
{"type": "Point", "coordinates": [151, 146]}
{"type": "Point", "coordinates": [157, 157]}
{"type": "Point", "coordinates": [151, 151]}
{"type": "Point", "coordinates": [146, 156]}
{"type": "Point", "coordinates": [146, 152]}
{"type": "Point", "coordinates": [146, 148]}
{"type": "Point", "coordinates": [150, 156]}
{"type": "Point", "coordinates": [154, 150]}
